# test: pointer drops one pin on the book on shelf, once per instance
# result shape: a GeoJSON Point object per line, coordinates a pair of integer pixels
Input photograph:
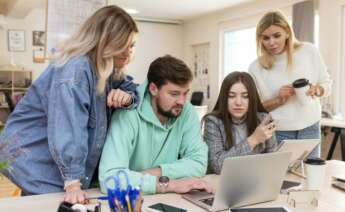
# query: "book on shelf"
{"type": "Point", "coordinates": [17, 96]}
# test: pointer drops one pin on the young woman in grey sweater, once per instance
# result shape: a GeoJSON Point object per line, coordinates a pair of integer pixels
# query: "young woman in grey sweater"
{"type": "Point", "coordinates": [238, 125]}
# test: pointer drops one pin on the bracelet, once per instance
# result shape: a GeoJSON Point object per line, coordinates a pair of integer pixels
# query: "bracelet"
{"type": "Point", "coordinates": [319, 91]}
{"type": "Point", "coordinates": [72, 183]}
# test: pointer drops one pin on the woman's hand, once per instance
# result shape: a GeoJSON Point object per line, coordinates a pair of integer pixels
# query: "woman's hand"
{"type": "Point", "coordinates": [315, 90]}
{"type": "Point", "coordinates": [74, 194]}
{"type": "Point", "coordinates": [262, 132]}
{"type": "Point", "coordinates": [285, 92]}
{"type": "Point", "coordinates": [118, 98]}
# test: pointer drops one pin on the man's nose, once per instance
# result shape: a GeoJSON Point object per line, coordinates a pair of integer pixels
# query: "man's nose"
{"type": "Point", "coordinates": [181, 100]}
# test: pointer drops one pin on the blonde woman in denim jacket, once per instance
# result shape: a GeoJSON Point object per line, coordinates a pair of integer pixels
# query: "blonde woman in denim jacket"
{"type": "Point", "coordinates": [61, 123]}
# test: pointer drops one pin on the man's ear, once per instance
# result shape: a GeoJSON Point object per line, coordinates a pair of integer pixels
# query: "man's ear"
{"type": "Point", "coordinates": [153, 89]}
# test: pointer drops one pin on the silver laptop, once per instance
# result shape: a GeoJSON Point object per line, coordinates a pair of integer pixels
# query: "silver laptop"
{"type": "Point", "coordinates": [300, 149]}
{"type": "Point", "coordinates": [244, 181]}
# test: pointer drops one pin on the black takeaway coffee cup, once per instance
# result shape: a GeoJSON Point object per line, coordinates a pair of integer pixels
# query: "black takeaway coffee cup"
{"type": "Point", "coordinates": [301, 87]}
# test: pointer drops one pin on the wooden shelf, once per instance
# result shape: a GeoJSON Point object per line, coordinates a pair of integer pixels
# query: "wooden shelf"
{"type": "Point", "coordinates": [15, 88]}
{"type": "Point", "coordinates": [15, 81]}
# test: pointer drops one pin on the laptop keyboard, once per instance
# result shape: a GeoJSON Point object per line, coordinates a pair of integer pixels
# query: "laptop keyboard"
{"type": "Point", "coordinates": [208, 201]}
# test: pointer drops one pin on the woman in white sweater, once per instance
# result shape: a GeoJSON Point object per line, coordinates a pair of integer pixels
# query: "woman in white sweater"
{"type": "Point", "coordinates": [282, 59]}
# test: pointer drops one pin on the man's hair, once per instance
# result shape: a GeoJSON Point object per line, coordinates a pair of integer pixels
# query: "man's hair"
{"type": "Point", "coordinates": [168, 68]}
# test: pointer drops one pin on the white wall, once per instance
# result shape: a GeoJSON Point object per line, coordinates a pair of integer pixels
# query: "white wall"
{"type": "Point", "coordinates": [332, 46]}
{"type": "Point", "coordinates": [154, 40]}
{"type": "Point", "coordinates": [209, 29]}
{"type": "Point", "coordinates": [34, 21]}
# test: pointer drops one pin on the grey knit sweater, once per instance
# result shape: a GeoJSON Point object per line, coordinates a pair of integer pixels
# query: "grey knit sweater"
{"type": "Point", "coordinates": [215, 137]}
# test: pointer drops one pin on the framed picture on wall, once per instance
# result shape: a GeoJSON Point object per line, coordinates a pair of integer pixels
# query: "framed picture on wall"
{"type": "Point", "coordinates": [16, 40]}
{"type": "Point", "coordinates": [38, 38]}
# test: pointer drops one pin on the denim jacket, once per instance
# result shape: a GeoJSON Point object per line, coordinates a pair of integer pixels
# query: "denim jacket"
{"type": "Point", "coordinates": [60, 125]}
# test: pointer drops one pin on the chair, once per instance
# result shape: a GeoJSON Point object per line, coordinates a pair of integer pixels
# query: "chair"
{"type": "Point", "coordinates": [197, 98]}
{"type": "Point", "coordinates": [9, 101]}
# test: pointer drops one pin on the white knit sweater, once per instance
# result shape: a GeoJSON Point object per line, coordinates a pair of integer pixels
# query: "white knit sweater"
{"type": "Point", "coordinates": [306, 63]}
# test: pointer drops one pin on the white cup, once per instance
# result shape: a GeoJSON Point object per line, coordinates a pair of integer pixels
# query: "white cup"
{"type": "Point", "coordinates": [301, 87]}
{"type": "Point", "coordinates": [316, 169]}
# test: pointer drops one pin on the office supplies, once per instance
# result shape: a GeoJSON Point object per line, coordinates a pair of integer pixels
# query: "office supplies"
{"type": "Point", "coordinates": [307, 197]}
{"type": "Point", "coordinates": [340, 185]}
{"type": "Point", "coordinates": [290, 186]}
{"type": "Point", "coordinates": [339, 182]}
{"type": "Point", "coordinates": [69, 207]}
{"type": "Point", "coordinates": [161, 207]}
{"type": "Point", "coordinates": [127, 199]}
{"type": "Point", "coordinates": [252, 182]}
{"type": "Point", "coordinates": [280, 209]}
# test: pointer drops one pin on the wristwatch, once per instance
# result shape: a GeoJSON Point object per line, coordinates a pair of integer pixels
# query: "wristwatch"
{"type": "Point", "coordinates": [163, 182]}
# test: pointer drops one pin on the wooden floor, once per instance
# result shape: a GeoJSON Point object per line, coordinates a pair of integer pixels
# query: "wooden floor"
{"type": "Point", "coordinates": [7, 188]}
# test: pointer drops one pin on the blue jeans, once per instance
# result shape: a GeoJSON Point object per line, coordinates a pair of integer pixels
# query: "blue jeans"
{"type": "Point", "coordinates": [311, 132]}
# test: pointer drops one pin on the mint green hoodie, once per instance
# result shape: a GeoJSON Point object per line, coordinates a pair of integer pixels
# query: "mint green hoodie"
{"type": "Point", "coordinates": [137, 141]}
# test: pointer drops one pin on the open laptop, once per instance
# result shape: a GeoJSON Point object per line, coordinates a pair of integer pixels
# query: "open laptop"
{"type": "Point", "coordinates": [300, 149]}
{"type": "Point", "coordinates": [244, 181]}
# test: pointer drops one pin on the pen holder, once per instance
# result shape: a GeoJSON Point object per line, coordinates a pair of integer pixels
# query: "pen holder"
{"type": "Point", "coordinates": [123, 200]}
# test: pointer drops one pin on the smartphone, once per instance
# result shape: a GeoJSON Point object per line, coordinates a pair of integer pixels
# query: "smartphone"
{"type": "Point", "coordinates": [289, 184]}
{"type": "Point", "coordinates": [165, 208]}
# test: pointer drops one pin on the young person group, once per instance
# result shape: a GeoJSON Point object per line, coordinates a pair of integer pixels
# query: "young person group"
{"type": "Point", "coordinates": [84, 111]}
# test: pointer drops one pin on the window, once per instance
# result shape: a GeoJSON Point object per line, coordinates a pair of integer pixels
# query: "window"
{"type": "Point", "coordinates": [239, 50]}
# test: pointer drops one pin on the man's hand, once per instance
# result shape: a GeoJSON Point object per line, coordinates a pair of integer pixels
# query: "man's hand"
{"type": "Point", "coordinates": [118, 98]}
{"type": "Point", "coordinates": [185, 185]}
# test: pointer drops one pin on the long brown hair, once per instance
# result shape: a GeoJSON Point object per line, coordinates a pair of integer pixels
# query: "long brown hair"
{"type": "Point", "coordinates": [275, 18]}
{"type": "Point", "coordinates": [254, 106]}
{"type": "Point", "coordinates": [102, 36]}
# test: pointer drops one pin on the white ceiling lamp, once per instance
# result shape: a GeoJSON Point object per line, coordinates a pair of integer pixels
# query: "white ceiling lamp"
{"type": "Point", "coordinates": [131, 11]}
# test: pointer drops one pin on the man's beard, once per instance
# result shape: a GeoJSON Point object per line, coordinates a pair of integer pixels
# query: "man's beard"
{"type": "Point", "coordinates": [168, 114]}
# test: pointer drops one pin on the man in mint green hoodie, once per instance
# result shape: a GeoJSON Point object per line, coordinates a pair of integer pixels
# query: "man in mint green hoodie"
{"type": "Point", "coordinates": [159, 144]}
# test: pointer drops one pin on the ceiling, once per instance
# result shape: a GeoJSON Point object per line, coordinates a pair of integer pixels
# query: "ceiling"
{"type": "Point", "coordinates": [175, 9]}
{"type": "Point", "coordinates": [157, 9]}
{"type": "Point", "coordinates": [19, 8]}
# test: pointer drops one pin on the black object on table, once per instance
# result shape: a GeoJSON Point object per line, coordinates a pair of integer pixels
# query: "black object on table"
{"type": "Point", "coordinates": [337, 132]}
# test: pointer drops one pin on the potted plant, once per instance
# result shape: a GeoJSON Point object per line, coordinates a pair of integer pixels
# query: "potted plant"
{"type": "Point", "coordinates": [7, 188]}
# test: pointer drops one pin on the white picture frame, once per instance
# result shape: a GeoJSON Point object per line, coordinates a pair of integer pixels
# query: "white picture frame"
{"type": "Point", "coordinates": [16, 40]}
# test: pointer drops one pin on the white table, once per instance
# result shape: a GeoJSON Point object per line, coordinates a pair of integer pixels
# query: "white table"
{"type": "Point", "coordinates": [336, 126]}
{"type": "Point", "coordinates": [331, 199]}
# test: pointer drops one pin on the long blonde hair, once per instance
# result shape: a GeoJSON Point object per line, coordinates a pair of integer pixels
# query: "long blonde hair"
{"type": "Point", "coordinates": [102, 36]}
{"type": "Point", "coordinates": [275, 18]}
